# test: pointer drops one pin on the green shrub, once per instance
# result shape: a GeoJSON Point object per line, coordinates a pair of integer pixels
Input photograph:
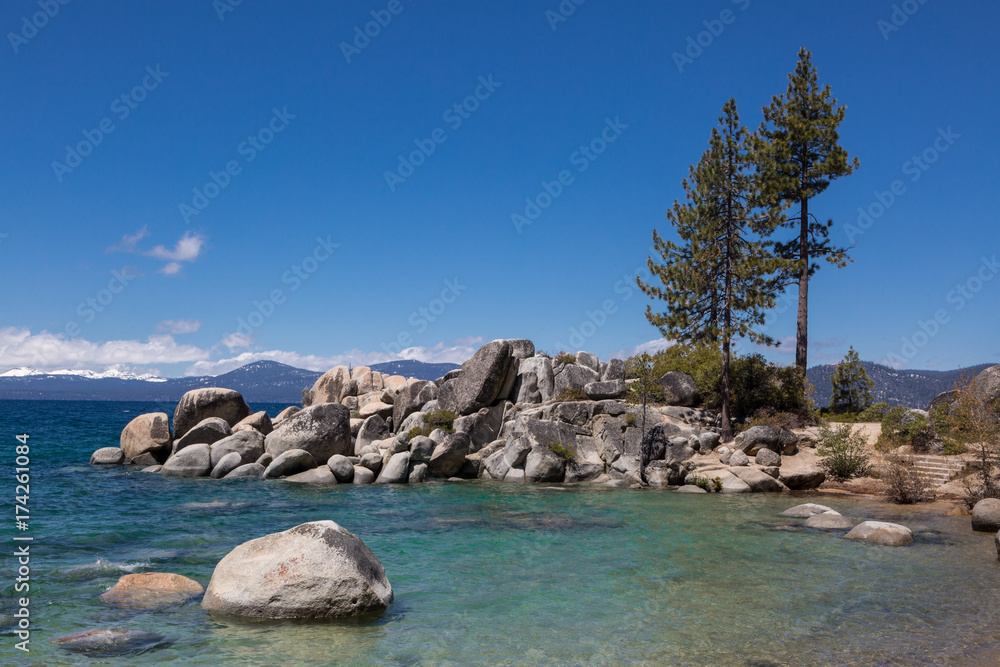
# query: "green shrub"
{"type": "Point", "coordinates": [572, 394]}
{"type": "Point", "coordinates": [771, 417]}
{"type": "Point", "coordinates": [874, 413]}
{"type": "Point", "coordinates": [630, 419]}
{"type": "Point", "coordinates": [843, 453]}
{"type": "Point", "coordinates": [900, 427]}
{"type": "Point", "coordinates": [439, 419]}
{"type": "Point", "coordinates": [717, 484]}
{"type": "Point", "coordinates": [565, 358]}
{"type": "Point", "coordinates": [562, 451]}
{"type": "Point", "coordinates": [701, 482]}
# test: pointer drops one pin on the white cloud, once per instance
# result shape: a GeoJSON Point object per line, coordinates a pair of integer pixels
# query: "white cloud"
{"type": "Point", "coordinates": [129, 241]}
{"type": "Point", "coordinates": [170, 269]}
{"type": "Point", "coordinates": [649, 347]}
{"type": "Point", "coordinates": [44, 350]}
{"type": "Point", "coordinates": [235, 340]}
{"type": "Point", "coordinates": [179, 326]}
{"type": "Point", "coordinates": [187, 249]}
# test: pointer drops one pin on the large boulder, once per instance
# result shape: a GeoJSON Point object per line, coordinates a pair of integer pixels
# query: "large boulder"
{"type": "Point", "coordinates": [775, 438]}
{"type": "Point", "coordinates": [259, 421]}
{"type": "Point", "coordinates": [410, 399]}
{"type": "Point", "coordinates": [448, 457]}
{"type": "Point", "coordinates": [315, 570]}
{"type": "Point", "coordinates": [678, 389]}
{"type": "Point", "coordinates": [146, 440]}
{"type": "Point", "coordinates": [396, 470]}
{"type": "Point", "coordinates": [765, 457]}
{"type": "Point", "coordinates": [226, 465]}
{"type": "Point", "coordinates": [249, 444]}
{"type": "Point", "coordinates": [320, 475]}
{"type": "Point", "coordinates": [192, 461]}
{"type": "Point", "coordinates": [535, 380]}
{"type": "Point", "coordinates": [590, 360]}
{"type": "Point", "coordinates": [801, 479]}
{"type": "Point", "coordinates": [289, 463]}
{"type": "Point", "coordinates": [758, 480]}
{"type": "Point", "coordinates": [207, 431]}
{"type": "Point", "coordinates": [599, 391]}
{"type": "Point", "coordinates": [374, 428]}
{"type": "Point", "coordinates": [986, 515]}
{"type": "Point", "coordinates": [615, 371]}
{"type": "Point", "coordinates": [543, 465]}
{"type": "Point", "coordinates": [987, 385]}
{"type": "Point", "coordinates": [330, 387]}
{"type": "Point", "coordinates": [573, 377]}
{"type": "Point", "coordinates": [880, 532]}
{"type": "Point", "coordinates": [341, 467]}
{"type": "Point", "coordinates": [481, 379]}
{"type": "Point", "coordinates": [322, 430]}
{"type": "Point", "coordinates": [107, 456]}
{"type": "Point", "coordinates": [151, 590]}
{"type": "Point", "coordinates": [200, 404]}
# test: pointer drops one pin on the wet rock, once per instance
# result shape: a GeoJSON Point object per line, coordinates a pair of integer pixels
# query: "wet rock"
{"type": "Point", "coordinates": [362, 475]}
{"type": "Point", "coordinates": [829, 521]}
{"type": "Point", "coordinates": [986, 515]}
{"type": "Point", "coordinates": [447, 459]}
{"type": "Point", "coordinates": [320, 475]}
{"type": "Point", "coordinates": [396, 471]}
{"type": "Point", "coordinates": [248, 470]}
{"type": "Point", "coordinates": [806, 510]}
{"type": "Point", "coordinates": [315, 570]}
{"type": "Point", "coordinates": [152, 590]}
{"type": "Point", "coordinates": [107, 642]}
{"type": "Point", "coordinates": [107, 456]}
{"type": "Point", "coordinates": [691, 488]}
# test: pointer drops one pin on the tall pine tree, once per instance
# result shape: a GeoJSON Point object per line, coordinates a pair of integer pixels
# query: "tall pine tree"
{"type": "Point", "coordinates": [852, 388]}
{"type": "Point", "coordinates": [719, 280]}
{"type": "Point", "coordinates": [799, 155]}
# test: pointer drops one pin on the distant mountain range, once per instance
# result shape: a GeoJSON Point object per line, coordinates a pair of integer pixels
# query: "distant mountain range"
{"type": "Point", "coordinates": [914, 389]}
{"type": "Point", "coordinates": [259, 382]}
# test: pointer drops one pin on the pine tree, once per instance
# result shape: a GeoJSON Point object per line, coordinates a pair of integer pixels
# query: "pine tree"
{"type": "Point", "coordinates": [852, 388]}
{"type": "Point", "coordinates": [799, 155]}
{"type": "Point", "coordinates": [720, 279]}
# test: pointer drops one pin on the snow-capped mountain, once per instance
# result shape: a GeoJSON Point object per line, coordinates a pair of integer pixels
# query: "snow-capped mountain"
{"type": "Point", "coordinates": [111, 373]}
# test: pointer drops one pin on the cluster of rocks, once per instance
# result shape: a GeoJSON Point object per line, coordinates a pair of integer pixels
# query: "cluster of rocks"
{"type": "Point", "coordinates": [515, 416]}
{"type": "Point", "coordinates": [821, 517]}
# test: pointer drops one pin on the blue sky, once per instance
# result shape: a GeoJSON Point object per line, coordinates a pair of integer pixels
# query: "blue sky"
{"type": "Point", "coordinates": [240, 208]}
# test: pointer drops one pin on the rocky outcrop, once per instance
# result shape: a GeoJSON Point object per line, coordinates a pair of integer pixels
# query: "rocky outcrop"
{"type": "Point", "coordinates": [480, 381]}
{"type": "Point", "coordinates": [151, 590]}
{"type": "Point", "coordinates": [146, 440]}
{"type": "Point", "coordinates": [315, 570]}
{"type": "Point", "coordinates": [322, 430]}
{"type": "Point", "coordinates": [200, 404]}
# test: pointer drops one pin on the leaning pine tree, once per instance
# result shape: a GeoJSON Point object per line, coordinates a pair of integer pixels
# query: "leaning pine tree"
{"type": "Point", "coordinates": [799, 154]}
{"type": "Point", "coordinates": [719, 280]}
{"type": "Point", "coordinates": [852, 388]}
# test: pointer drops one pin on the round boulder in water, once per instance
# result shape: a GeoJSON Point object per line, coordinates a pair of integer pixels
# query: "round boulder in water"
{"type": "Point", "coordinates": [315, 570]}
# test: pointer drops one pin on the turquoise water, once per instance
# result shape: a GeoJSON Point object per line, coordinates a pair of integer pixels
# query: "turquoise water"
{"type": "Point", "coordinates": [493, 574]}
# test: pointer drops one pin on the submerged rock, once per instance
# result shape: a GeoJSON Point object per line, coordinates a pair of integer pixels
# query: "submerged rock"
{"type": "Point", "coordinates": [315, 570]}
{"type": "Point", "coordinates": [111, 641]}
{"type": "Point", "coordinates": [806, 510]}
{"type": "Point", "coordinates": [152, 590]}
{"type": "Point", "coordinates": [829, 521]}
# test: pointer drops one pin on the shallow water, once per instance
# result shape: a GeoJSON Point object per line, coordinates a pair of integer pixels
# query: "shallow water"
{"type": "Point", "coordinates": [494, 574]}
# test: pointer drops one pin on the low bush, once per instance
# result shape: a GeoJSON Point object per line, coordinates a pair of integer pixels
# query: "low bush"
{"type": "Point", "coordinates": [630, 419]}
{"type": "Point", "coordinates": [572, 394]}
{"type": "Point", "coordinates": [701, 482]}
{"type": "Point", "coordinates": [843, 453]}
{"type": "Point", "coordinates": [904, 485]}
{"type": "Point", "coordinates": [562, 451]}
{"type": "Point", "coordinates": [565, 358]}
{"type": "Point", "coordinates": [439, 419]}
{"type": "Point", "coordinates": [901, 427]}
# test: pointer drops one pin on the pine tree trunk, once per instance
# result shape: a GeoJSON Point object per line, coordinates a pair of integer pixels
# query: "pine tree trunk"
{"type": "Point", "coordinates": [802, 331]}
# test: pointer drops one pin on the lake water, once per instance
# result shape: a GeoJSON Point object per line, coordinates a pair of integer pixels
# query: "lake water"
{"type": "Point", "coordinates": [493, 574]}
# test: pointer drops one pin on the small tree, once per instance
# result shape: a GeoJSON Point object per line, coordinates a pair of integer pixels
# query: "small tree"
{"type": "Point", "coordinates": [852, 388]}
{"type": "Point", "coordinates": [643, 390]}
{"type": "Point", "coordinates": [972, 420]}
{"type": "Point", "coordinates": [843, 453]}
